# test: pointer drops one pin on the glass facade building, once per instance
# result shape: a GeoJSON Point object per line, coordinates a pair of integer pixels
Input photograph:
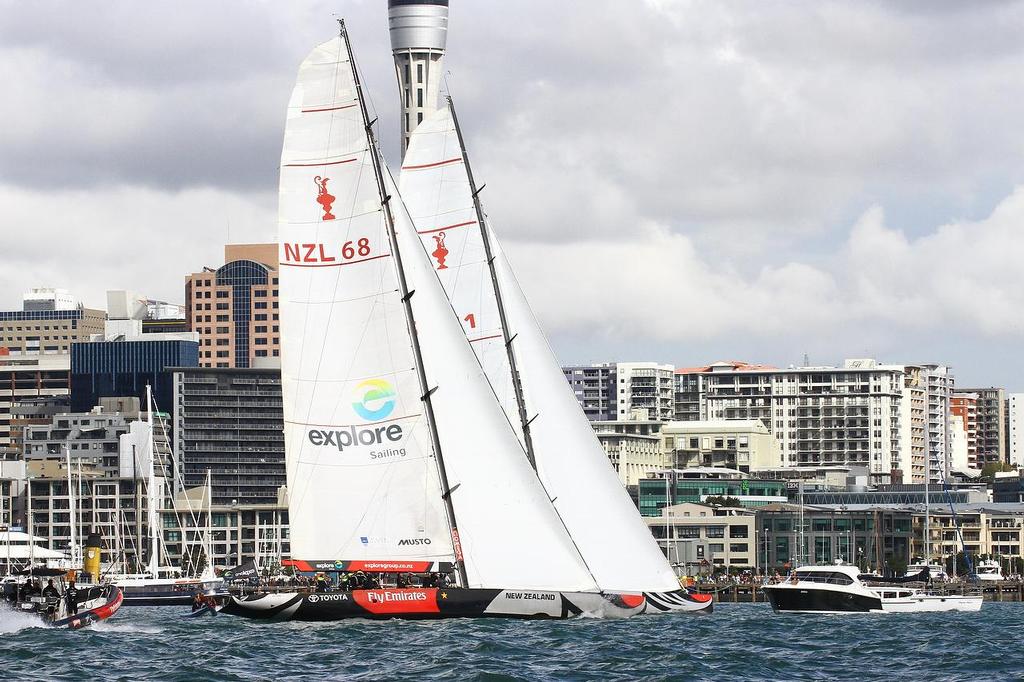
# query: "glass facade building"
{"type": "Point", "coordinates": [114, 369]}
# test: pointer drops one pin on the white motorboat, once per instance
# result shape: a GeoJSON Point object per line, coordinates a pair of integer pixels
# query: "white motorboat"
{"type": "Point", "coordinates": [841, 589]}
{"type": "Point", "coordinates": [989, 570]}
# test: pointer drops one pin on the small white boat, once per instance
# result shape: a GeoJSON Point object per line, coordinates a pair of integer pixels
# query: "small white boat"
{"type": "Point", "coordinates": [989, 571]}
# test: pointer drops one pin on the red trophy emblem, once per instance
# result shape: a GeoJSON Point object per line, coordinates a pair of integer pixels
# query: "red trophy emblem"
{"type": "Point", "coordinates": [323, 197]}
{"type": "Point", "coordinates": [440, 253]}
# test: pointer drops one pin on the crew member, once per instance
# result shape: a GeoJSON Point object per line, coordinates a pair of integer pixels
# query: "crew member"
{"type": "Point", "coordinates": [403, 580]}
{"type": "Point", "coordinates": [51, 599]}
{"type": "Point", "coordinates": [197, 601]}
{"type": "Point", "coordinates": [71, 598]}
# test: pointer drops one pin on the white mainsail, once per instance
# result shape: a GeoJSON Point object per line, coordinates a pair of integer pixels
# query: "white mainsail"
{"type": "Point", "coordinates": [615, 544]}
{"type": "Point", "coordinates": [362, 478]}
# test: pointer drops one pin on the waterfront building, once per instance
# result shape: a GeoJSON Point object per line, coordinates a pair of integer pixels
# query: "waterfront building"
{"type": "Point", "coordinates": [723, 536]}
{"type": "Point", "coordinates": [48, 323]}
{"type": "Point", "coordinates": [234, 308]}
{"type": "Point", "coordinates": [633, 446]}
{"type": "Point", "coordinates": [666, 488]}
{"type": "Point", "coordinates": [228, 421]}
{"type": "Point", "coordinates": [419, 33]}
{"type": "Point", "coordinates": [872, 537]}
{"type": "Point", "coordinates": [1015, 429]}
{"type": "Point", "coordinates": [615, 391]}
{"type": "Point", "coordinates": [743, 444]}
{"type": "Point", "coordinates": [990, 429]}
{"type": "Point", "coordinates": [234, 533]}
{"type": "Point", "coordinates": [28, 378]}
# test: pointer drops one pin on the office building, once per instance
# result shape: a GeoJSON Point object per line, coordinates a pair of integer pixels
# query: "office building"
{"type": "Point", "coordinates": [419, 33]}
{"type": "Point", "coordinates": [28, 378]}
{"type": "Point", "coordinates": [725, 537]}
{"type": "Point", "coordinates": [234, 308]}
{"type": "Point", "coordinates": [991, 424]}
{"type": "Point", "coordinates": [228, 421]}
{"type": "Point", "coordinates": [876, 538]}
{"type": "Point", "coordinates": [48, 323]}
{"type": "Point", "coordinates": [666, 488]}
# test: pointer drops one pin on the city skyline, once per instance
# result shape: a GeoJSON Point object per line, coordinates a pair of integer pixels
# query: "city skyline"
{"type": "Point", "coordinates": [858, 204]}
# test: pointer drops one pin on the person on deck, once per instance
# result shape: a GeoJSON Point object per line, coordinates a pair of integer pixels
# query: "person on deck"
{"type": "Point", "coordinates": [403, 580]}
{"type": "Point", "coordinates": [197, 602]}
{"type": "Point", "coordinates": [52, 597]}
{"type": "Point", "coordinates": [71, 598]}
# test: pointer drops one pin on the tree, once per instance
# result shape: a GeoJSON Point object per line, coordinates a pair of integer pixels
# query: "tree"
{"type": "Point", "coordinates": [722, 501]}
{"type": "Point", "coordinates": [989, 471]}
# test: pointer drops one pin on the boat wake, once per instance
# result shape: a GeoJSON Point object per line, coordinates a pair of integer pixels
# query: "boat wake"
{"type": "Point", "coordinates": [13, 621]}
{"type": "Point", "coordinates": [107, 626]}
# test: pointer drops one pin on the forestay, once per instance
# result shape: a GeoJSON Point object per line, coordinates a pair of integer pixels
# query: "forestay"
{"type": "Point", "coordinates": [362, 477]}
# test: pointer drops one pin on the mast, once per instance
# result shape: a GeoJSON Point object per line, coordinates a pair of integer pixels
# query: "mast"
{"type": "Point", "coordinates": [927, 477]}
{"type": "Point", "coordinates": [71, 507]}
{"type": "Point", "coordinates": [154, 547]}
{"type": "Point", "coordinates": [425, 391]}
{"type": "Point", "coordinates": [517, 386]}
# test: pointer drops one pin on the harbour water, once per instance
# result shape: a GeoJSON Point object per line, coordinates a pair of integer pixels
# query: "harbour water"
{"type": "Point", "coordinates": [737, 642]}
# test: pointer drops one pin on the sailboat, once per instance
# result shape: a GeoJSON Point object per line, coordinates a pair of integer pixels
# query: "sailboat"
{"type": "Point", "coordinates": [158, 584]}
{"type": "Point", "coordinates": [409, 452]}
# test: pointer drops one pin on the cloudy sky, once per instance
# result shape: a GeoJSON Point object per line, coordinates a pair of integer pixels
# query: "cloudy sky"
{"type": "Point", "coordinates": [697, 180]}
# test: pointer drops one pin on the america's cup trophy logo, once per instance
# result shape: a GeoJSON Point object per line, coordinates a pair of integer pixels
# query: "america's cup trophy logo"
{"type": "Point", "coordinates": [440, 253]}
{"type": "Point", "coordinates": [323, 197]}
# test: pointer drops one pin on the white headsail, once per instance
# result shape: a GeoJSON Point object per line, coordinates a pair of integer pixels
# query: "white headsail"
{"type": "Point", "coordinates": [615, 544]}
{"type": "Point", "coordinates": [362, 478]}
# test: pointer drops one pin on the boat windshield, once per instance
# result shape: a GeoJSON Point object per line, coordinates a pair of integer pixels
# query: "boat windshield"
{"type": "Point", "coordinates": [831, 577]}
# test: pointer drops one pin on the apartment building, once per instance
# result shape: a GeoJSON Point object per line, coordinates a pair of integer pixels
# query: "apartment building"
{"type": "Point", "coordinates": [615, 391]}
{"type": "Point", "coordinates": [229, 421]}
{"type": "Point", "coordinates": [1015, 429]}
{"type": "Point", "coordinates": [742, 444]}
{"type": "Point", "coordinates": [234, 308]}
{"type": "Point", "coordinates": [990, 410]}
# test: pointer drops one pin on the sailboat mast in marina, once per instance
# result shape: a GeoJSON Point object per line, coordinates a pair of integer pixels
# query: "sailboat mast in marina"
{"type": "Point", "coordinates": [425, 431]}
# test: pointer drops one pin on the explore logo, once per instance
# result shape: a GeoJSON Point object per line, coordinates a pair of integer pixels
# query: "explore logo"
{"type": "Point", "coordinates": [375, 399]}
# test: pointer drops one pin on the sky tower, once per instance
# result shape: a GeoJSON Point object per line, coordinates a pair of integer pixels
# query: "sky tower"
{"type": "Point", "coordinates": [419, 31]}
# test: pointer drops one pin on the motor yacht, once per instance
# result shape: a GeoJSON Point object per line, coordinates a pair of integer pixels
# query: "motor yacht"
{"type": "Point", "coordinates": [842, 589]}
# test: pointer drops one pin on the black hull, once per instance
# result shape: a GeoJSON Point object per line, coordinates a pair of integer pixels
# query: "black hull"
{"type": "Point", "coordinates": [810, 600]}
{"type": "Point", "coordinates": [437, 603]}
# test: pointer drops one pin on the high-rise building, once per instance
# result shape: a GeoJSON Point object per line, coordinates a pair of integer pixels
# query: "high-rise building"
{"type": "Point", "coordinates": [963, 408]}
{"type": "Point", "coordinates": [228, 421]}
{"type": "Point", "coordinates": [419, 32]}
{"type": "Point", "coordinates": [234, 308]}
{"type": "Point", "coordinates": [883, 417]}
{"type": "Point", "coordinates": [595, 389]}
{"type": "Point", "coordinates": [1015, 428]}
{"type": "Point", "coordinates": [48, 323]}
{"type": "Point", "coordinates": [991, 424]}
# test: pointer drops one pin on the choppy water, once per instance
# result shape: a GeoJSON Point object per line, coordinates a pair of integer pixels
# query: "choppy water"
{"type": "Point", "coordinates": [737, 642]}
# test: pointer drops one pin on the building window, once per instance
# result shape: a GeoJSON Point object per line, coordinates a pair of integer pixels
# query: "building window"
{"type": "Point", "coordinates": [262, 329]}
{"type": "Point", "coordinates": [260, 317]}
{"type": "Point", "coordinates": [222, 294]}
{"type": "Point", "coordinates": [419, 73]}
{"type": "Point", "coordinates": [419, 97]}
{"type": "Point", "coordinates": [260, 305]}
